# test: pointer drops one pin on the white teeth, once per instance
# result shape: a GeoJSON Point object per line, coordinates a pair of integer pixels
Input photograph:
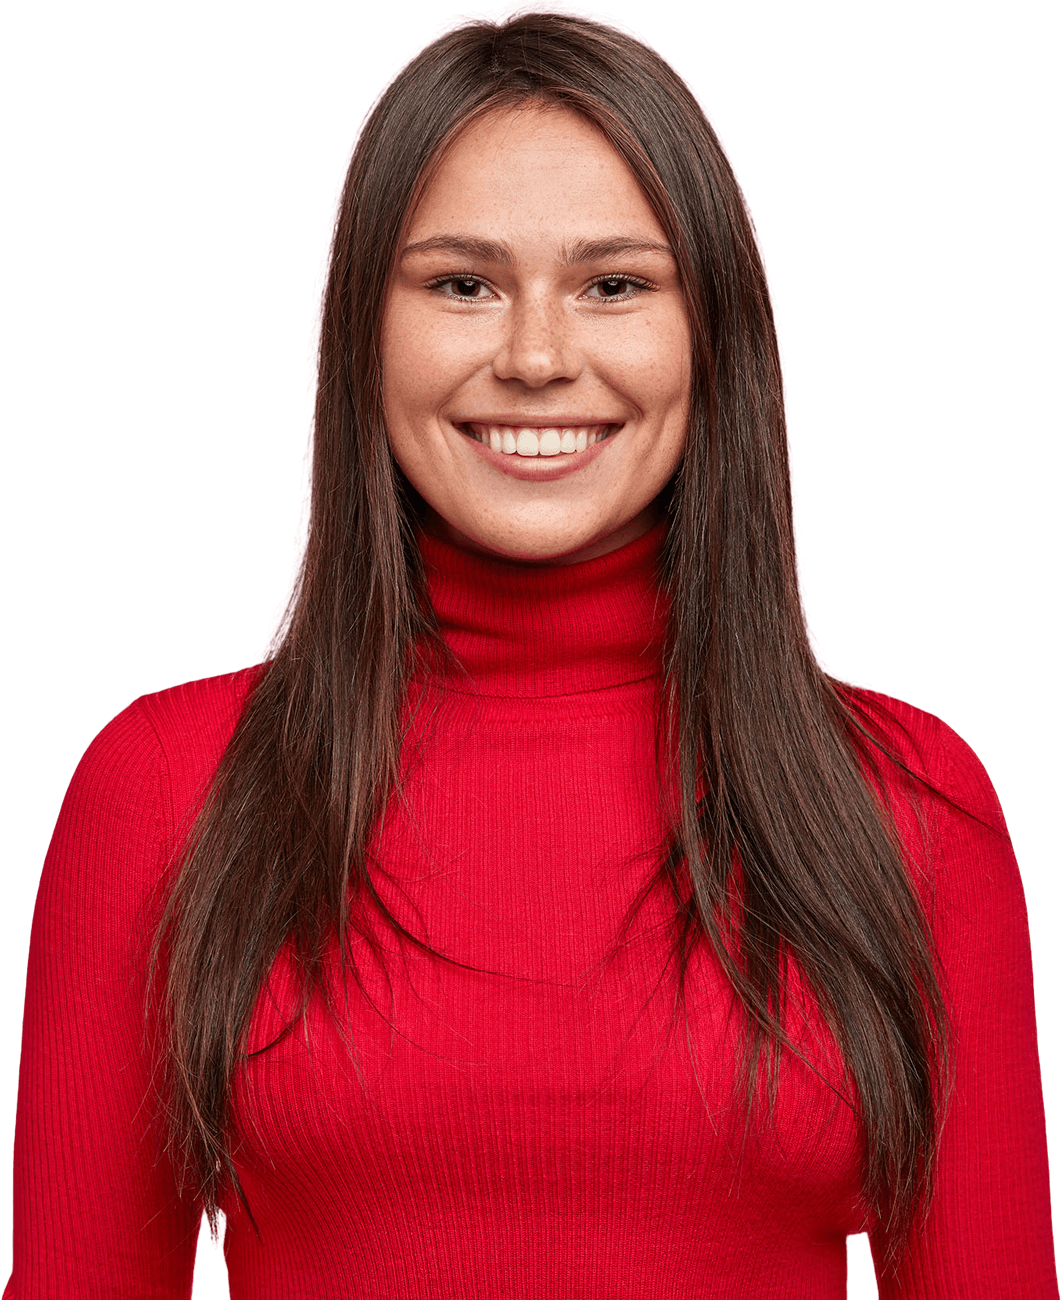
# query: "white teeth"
{"type": "Point", "coordinates": [513, 441]}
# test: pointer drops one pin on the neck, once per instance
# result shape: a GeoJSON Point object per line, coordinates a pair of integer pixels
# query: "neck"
{"type": "Point", "coordinates": [521, 629]}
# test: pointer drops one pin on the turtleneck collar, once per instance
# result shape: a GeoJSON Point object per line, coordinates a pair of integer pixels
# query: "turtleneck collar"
{"type": "Point", "coordinates": [538, 630]}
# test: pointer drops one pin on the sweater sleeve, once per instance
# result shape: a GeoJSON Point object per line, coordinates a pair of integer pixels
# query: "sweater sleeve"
{"type": "Point", "coordinates": [988, 1230]}
{"type": "Point", "coordinates": [96, 1210]}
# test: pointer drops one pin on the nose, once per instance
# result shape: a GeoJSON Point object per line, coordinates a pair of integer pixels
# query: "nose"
{"type": "Point", "coordinates": [538, 346]}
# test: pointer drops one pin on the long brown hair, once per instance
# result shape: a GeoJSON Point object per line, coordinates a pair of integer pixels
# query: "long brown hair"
{"type": "Point", "coordinates": [790, 855]}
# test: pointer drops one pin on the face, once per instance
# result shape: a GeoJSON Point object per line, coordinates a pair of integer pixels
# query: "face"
{"type": "Point", "coordinates": [536, 350]}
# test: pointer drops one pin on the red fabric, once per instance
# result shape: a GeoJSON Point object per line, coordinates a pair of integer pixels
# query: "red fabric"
{"type": "Point", "coordinates": [552, 1128]}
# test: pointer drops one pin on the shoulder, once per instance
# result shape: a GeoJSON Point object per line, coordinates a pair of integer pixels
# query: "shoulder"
{"type": "Point", "coordinates": [200, 710]}
{"type": "Point", "coordinates": [127, 807]}
{"type": "Point", "coordinates": [937, 758]}
{"type": "Point", "coordinates": [156, 758]}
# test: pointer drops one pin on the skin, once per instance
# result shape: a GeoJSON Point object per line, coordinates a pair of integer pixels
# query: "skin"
{"type": "Point", "coordinates": [504, 308]}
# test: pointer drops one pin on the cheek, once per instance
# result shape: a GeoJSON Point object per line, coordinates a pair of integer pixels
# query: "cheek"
{"type": "Point", "coordinates": [652, 367]}
{"type": "Point", "coordinates": [424, 363]}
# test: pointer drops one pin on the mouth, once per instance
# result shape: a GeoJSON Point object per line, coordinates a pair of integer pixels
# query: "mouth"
{"type": "Point", "coordinates": [528, 441]}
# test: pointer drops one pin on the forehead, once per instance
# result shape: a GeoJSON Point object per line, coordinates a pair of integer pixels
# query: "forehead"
{"type": "Point", "coordinates": [531, 140]}
{"type": "Point", "coordinates": [533, 171]}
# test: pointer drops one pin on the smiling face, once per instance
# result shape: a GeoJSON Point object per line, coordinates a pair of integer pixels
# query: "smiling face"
{"type": "Point", "coordinates": [536, 351]}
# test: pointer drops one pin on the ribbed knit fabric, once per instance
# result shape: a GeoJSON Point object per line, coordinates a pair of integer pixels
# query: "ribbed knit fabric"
{"type": "Point", "coordinates": [546, 1126]}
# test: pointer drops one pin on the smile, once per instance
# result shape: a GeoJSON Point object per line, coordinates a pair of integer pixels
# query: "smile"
{"type": "Point", "coordinates": [533, 440]}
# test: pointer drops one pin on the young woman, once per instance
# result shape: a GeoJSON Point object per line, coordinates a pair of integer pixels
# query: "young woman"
{"type": "Point", "coordinates": [540, 920]}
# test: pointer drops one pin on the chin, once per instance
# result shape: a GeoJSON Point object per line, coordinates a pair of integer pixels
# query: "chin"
{"type": "Point", "coordinates": [529, 546]}
{"type": "Point", "coordinates": [534, 550]}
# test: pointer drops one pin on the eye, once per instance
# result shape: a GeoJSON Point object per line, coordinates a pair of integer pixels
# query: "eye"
{"type": "Point", "coordinates": [467, 287]}
{"type": "Point", "coordinates": [616, 288]}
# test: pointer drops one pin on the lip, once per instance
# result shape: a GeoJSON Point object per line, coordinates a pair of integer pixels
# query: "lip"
{"type": "Point", "coordinates": [538, 469]}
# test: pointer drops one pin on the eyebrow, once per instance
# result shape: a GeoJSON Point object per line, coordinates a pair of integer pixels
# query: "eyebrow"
{"type": "Point", "coordinates": [490, 250]}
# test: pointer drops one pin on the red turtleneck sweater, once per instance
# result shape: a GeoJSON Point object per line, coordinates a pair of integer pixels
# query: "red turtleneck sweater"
{"type": "Point", "coordinates": [547, 1127]}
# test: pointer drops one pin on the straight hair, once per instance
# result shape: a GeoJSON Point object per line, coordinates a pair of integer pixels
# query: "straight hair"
{"type": "Point", "coordinates": [783, 849]}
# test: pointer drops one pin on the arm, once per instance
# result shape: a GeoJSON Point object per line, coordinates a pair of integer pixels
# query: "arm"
{"type": "Point", "coordinates": [988, 1231]}
{"type": "Point", "coordinates": [96, 1207]}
